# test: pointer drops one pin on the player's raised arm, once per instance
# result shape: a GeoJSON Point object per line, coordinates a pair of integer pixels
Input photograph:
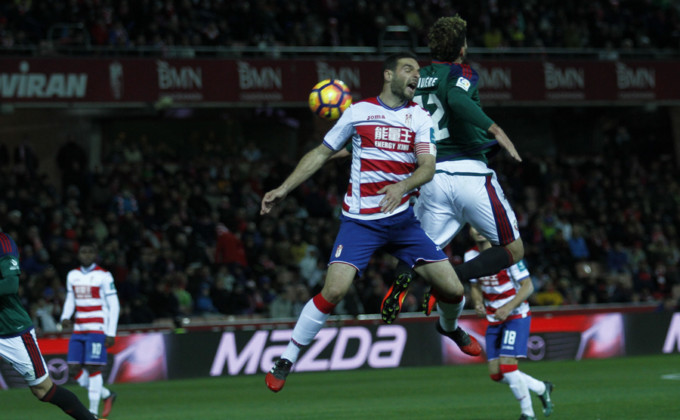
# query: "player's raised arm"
{"type": "Point", "coordinates": [310, 163]}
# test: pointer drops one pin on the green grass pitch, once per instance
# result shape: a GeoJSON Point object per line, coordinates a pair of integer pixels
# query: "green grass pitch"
{"type": "Point", "coordinates": [621, 388]}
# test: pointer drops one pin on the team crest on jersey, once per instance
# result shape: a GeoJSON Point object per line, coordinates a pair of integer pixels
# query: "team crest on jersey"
{"type": "Point", "coordinates": [463, 83]}
{"type": "Point", "coordinates": [408, 119]}
{"type": "Point", "coordinates": [338, 251]}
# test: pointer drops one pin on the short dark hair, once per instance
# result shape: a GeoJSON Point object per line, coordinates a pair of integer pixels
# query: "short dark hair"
{"type": "Point", "coordinates": [390, 62]}
{"type": "Point", "coordinates": [447, 37]}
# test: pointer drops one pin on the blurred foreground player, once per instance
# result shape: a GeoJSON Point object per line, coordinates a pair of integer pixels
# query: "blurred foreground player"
{"type": "Point", "coordinates": [501, 298]}
{"type": "Point", "coordinates": [393, 154]}
{"type": "Point", "coordinates": [91, 295]}
{"type": "Point", "coordinates": [18, 344]}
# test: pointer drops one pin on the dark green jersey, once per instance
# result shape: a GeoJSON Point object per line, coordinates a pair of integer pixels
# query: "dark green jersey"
{"type": "Point", "coordinates": [13, 317]}
{"type": "Point", "coordinates": [448, 91]}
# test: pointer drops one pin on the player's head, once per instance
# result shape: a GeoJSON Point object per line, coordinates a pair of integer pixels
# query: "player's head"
{"type": "Point", "coordinates": [447, 38]}
{"type": "Point", "coordinates": [477, 237]}
{"type": "Point", "coordinates": [87, 253]}
{"type": "Point", "coordinates": [400, 72]}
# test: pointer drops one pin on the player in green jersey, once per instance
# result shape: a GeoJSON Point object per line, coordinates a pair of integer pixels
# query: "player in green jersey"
{"type": "Point", "coordinates": [464, 189]}
{"type": "Point", "coordinates": [18, 344]}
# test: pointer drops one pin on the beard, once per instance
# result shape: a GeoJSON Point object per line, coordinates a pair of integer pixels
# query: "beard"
{"type": "Point", "coordinates": [400, 92]}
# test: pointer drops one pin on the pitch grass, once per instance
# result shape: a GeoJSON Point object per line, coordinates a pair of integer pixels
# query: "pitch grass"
{"type": "Point", "coordinates": [620, 388]}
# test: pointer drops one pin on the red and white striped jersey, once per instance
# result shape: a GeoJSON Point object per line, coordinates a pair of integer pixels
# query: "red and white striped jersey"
{"type": "Point", "coordinates": [88, 292]}
{"type": "Point", "coordinates": [385, 142]}
{"type": "Point", "coordinates": [499, 289]}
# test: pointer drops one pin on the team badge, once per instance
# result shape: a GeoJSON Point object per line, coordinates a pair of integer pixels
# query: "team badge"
{"type": "Point", "coordinates": [463, 83]}
{"type": "Point", "coordinates": [338, 251]}
{"type": "Point", "coordinates": [408, 120]}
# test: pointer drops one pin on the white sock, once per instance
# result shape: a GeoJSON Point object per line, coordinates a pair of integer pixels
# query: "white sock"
{"type": "Point", "coordinates": [535, 386]}
{"type": "Point", "coordinates": [106, 393]}
{"type": "Point", "coordinates": [83, 378]}
{"type": "Point", "coordinates": [308, 325]}
{"type": "Point", "coordinates": [521, 391]}
{"type": "Point", "coordinates": [94, 392]}
{"type": "Point", "coordinates": [449, 313]}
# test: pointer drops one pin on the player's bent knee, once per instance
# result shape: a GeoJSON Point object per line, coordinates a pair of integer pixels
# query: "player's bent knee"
{"type": "Point", "coordinates": [496, 377]}
{"type": "Point", "coordinates": [516, 249]}
{"type": "Point", "coordinates": [74, 370]}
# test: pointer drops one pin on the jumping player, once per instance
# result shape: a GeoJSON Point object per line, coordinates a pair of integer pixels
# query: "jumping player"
{"type": "Point", "coordinates": [91, 294]}
{"type": "Point", "coordinates": [464, 189]}
{"type": "Point", "coordinates": [392, 156]}
{"type": "Point", "coordinates": [501, 298]}
{"type": "Point", "coordinates": [18, 344]}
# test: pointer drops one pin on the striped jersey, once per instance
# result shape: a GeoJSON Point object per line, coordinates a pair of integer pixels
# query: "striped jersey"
{"type": "Point", "coordinates": [499, 289]}
{"type": "Point", "coordinates": [14, 319]}
{"type": "Point", "coordinates": [88, 288]}
{"type": "Point", "coordinates": [385, 142]}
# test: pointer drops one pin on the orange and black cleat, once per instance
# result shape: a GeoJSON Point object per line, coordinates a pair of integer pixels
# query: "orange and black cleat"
{"type": "Point", "coordinates": [391, 304]}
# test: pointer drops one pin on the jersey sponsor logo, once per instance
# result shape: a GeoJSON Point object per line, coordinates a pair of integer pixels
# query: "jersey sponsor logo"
{"type": "Point", "coordinates": [463, 83]}
{"type": "Point", "coordinates": [15, 265]}
{"type": "Point", "coordinates": [393, 134]}
{"type": "Point", "coordinates": [338, 251]}
{"type": "Point", "coordinates": [427, 82]}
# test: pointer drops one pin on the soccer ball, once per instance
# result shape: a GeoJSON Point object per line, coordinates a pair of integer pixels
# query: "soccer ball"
{"type": "Point", "coordinates": [329, 99]}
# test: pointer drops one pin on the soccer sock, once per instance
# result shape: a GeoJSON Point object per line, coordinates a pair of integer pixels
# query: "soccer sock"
{"type": "Point", "coordinates": [83, 378]}
{"type": "Point", "coordinates": [535, 386]}
{"type": "Point", "coordinates": [519, 388]}
{"type": "Point", "coordinates": [449, 311]}
{"type": "Point", "coordinates": [68, 402]}
{"type": "Point", "coordinates": [106, 393]}
{"type": "Point", "coordinates": [402, 267]}
{"type": "Point", "coordinates": [311, 320]}
{"type": "Point", "coordinates": [94, 391]}
{"type": "Point", "coordinates": [487, 263]}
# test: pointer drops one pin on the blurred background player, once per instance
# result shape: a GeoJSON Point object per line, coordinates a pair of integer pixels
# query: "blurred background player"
{"type": "Point", "coordinates": [464, 189]}
{"type": "Point", "coordinates": [502, 299]}
{"type": "Point", "coordinates": [393, 155]}
{"type": "Point", "coordinates": [18, 344]}
{"type": "Point", "coordinates": [91, 294]}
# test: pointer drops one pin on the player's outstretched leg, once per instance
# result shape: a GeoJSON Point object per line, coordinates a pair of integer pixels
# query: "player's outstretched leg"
{"type": "Point", "coordinates": [467, 343]}
{"type": "Point", "coordinates": [546, 399]}
{"type": "Point", "coordinates": [276, 378]}
{"type": "Point", "coordinates": [391, 303]}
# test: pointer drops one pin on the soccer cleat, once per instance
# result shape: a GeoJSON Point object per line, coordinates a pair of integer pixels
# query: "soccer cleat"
{"type": "Point", "coordinates": [546, 400]}
{"type": "Point", "coordinates": [108, 403]}
{"type": "Point", "coordinates": [467, 343]}
{"type": "Point", "coordinates": [526, 417]}
{"type": "Point", "coordinates": [276, 378]}
{"type": "Point", "coordinates": [391, 304]}
{"type": "Point", "coordinates": [429, 302]}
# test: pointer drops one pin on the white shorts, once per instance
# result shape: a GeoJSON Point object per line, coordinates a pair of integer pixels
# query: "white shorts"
{"type": "Point", "coordinates": [23, 353]}
{"type": "Point", "coordinates": [465, 192]}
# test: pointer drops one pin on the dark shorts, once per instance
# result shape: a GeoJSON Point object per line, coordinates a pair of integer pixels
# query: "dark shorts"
{"type": "Point", "coordinates": [87, 349]}
{"type": "Point", "coordinates": [400, 235]}
{"type": "Point", "coordinates": [508, 339]}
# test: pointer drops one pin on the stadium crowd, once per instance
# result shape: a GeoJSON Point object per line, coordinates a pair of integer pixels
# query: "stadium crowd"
{"type": "Point", "coordinates": [615, 24]}
{"type": "Point", "coordinates": [180, 230]}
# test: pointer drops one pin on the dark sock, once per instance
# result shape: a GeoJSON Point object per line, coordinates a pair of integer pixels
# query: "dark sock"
{"type": "Point", "coordinates": [402, 267]}
{"type": "Point", "coordinates": [68, 402]}
{"type": "Point", "coordinates": [487, 263]}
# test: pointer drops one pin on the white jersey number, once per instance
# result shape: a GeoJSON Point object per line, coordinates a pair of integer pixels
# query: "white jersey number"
{"type": "Point", "coordinates": [430, 99]}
